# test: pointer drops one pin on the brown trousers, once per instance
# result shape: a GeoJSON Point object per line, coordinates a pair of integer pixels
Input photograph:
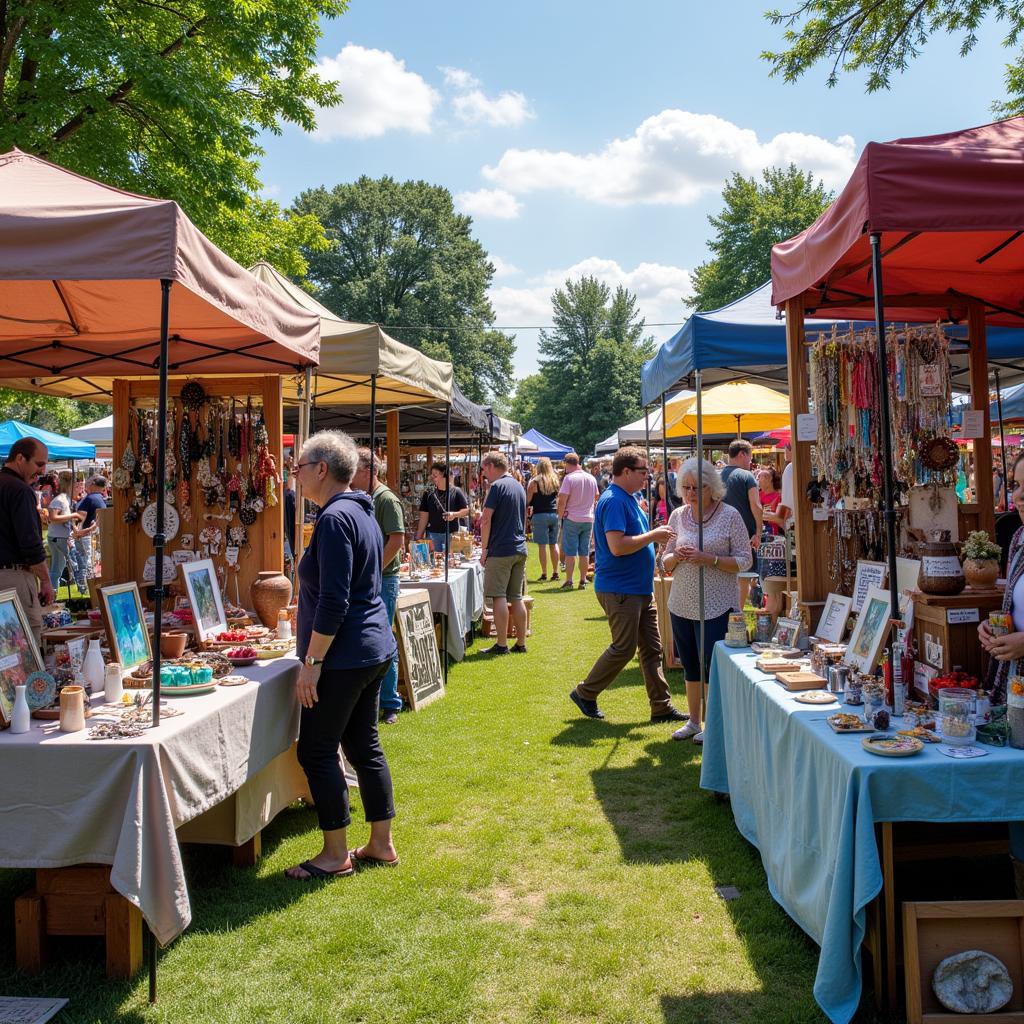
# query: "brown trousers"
{"type": "Point", "coordinates": [633, 621]}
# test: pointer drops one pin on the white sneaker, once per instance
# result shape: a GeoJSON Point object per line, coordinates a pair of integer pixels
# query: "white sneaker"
{"type": "Point", "coordinates": [699, 738]}
{"type": "Point", "coordinates": [688, 731]}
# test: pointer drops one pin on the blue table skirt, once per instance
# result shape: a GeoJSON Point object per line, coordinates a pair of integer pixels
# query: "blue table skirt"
{"type": "Point", "coordinates": [809, 799]}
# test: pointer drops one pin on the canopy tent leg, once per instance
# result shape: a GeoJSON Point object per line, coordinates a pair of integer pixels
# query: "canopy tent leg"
{"type": "Point", "coordinates": [447, 528]}
{"type": "Point", "coordinates": [305, 416]}
{"type": "Point", "coordinates": [669, 498]}
{"type": "Point", "coordinates": [373, 422]}
{"type": "Point", "coordinates": [883, 389]}
{"type": "Point", "coordinates": [647, 447]}
{"type": "Point", "coordinates": [1002, 442]}
{"type": "Point", "coordinates": [700, 542]}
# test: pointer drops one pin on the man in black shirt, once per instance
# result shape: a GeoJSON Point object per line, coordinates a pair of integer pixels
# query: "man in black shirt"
{"type": "Point", "coordinates": [22, 556]}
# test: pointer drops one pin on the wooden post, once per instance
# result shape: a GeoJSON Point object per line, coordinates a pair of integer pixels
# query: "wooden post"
{"type": "Point", "coordinates": [810, 581]}
{"type": "Point", "coordinates": [393, 450]}
{"type": "Point", "coordinates": [978, 363]}
{"type": "Point", "coordinates": [273, 535]}
{"type": "Point", "coordinates": [30, 932]}
{"type": "Point", "coordinates": [248, 854]}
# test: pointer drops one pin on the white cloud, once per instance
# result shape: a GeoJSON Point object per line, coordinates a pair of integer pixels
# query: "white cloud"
{"type": "Point", "coordinates": [659, 290]}
{"type": "Point", "coordinates": [489, 202]}
{"type": "Point", "coordinates": [674, 157]}
{"type": "Point", "coordinates": [380, 95]}
{"type": "Point", "coordinates": [502, 268]}
{"type": "Point", "coordinates": [472, 106]}
{"type": "Point", "coordinates": [456, 78]}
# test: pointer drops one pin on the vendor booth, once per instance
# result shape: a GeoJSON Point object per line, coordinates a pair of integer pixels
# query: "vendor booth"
{"type": "Point", "coordinates": [545, 447]}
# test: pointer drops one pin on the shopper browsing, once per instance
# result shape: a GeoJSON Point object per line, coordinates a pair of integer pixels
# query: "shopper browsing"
{"type": "Point", "coordinates": [576, 500]}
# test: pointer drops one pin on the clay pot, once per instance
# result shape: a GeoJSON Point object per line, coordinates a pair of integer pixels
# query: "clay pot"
{"type": "Point", "coordinates": [941, 572]}
{"type": "Point", "coordinates": [72, 709]}
{"type": "Point", "coordinates": [981, 575]}
{"type": "Point", "coordinates": [172, 645]}
{"type": "Point", "coordinates": [270, 591]}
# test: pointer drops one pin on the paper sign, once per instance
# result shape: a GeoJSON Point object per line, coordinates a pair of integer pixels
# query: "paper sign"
{"type": "Point", "coordinates": [869, 574]}
{"type": "Point", "coordinates": [929, 380]}
{"type": "Point", "coordinates": [973, 423]}
{"type": "Point", "coordinates": [807, 426]}
{"type": "Point", "coordinates": [957, 616]}
{"type": "Point", "coordinates": [819, 515]}
{"type": "Point", "coordinates": [923, 675]}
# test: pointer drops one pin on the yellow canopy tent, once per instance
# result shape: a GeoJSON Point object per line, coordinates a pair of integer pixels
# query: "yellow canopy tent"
{"type": "Point", "coordinates": [734, 406]}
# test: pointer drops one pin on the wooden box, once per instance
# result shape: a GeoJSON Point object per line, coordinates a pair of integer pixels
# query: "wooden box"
{"type": "Point", "coordinates": [952, 625]}
{"type": "Point", "coordinates": [933, 931]}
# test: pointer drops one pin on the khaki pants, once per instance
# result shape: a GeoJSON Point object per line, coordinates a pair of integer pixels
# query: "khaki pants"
{"type": "Point", "coordinates": [633, 621]}
{"type": "Point", "coordinates": [26, 584]}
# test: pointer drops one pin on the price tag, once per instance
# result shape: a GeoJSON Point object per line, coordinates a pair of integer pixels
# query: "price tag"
{"type": "Point", "coordinates": [957, 616]}
{"type": "Point", "coordinates": [941, 565]}
{"type": "Point", "coordinates": [807, 426]}
{"type": "Point", "coordinates": [973, 423]}
{"type": "Point", "coordinates": [819, 515]}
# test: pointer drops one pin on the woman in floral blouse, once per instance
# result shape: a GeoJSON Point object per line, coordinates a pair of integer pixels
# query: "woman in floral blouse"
{"type": "Point", "coordinates": [726, 552]}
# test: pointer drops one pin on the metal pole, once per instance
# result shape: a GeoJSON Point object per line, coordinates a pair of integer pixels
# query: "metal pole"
{"type": "Point", "coordinates": [700, 529]}
{"type": "Point", "coordinates": [664, 459]}
{"type": "Point", "coordinates": [305, 418]}
{"type": "Point", "coordinates": [447, 532]}
{"type": "Point", "coordinates": [883, 386]}
{"type": "Point", "coordinates": [158, 543]}
{"type": "Point", "coordinates": [647, 445]}
{"type": "Point", "coordinates": [1002, 443]}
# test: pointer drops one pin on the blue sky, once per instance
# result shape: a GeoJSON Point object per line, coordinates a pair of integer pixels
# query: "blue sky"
{"type": "Point", "coordinates": [595, 136]}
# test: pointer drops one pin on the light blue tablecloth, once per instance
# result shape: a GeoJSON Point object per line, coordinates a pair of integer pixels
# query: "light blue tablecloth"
{"type": "Point", "coordinates": [808, 799]}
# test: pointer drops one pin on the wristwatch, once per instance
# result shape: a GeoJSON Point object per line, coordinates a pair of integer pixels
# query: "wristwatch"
{"type": "Point", "coordinates": [313, 662]}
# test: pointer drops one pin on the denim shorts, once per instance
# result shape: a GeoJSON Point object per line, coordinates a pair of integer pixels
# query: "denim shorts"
{"type": "Point", "coordinates": [545, 528]}
{"type": "Point", "coordinates": [576, 539]}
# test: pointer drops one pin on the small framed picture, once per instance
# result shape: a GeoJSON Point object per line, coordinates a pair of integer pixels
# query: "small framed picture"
{"type": "Point", "coordinates": [126, 624]}
{"type": "Point", "coordinates": [787, 632]}
{"type": "Point", "coordinates": [204, 595]}
{"type": "Point", "coordinates": [869, 574]}
{"type": "Point", "coordinates": [870, 632]}
{"type": "Point", "coordinates": [832, 624]}
{"type": "Point", "coordinates": [19, 655]}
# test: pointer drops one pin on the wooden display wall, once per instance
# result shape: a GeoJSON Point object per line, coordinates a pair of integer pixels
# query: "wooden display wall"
{"type": "Point", "coordinates": [132, 546]}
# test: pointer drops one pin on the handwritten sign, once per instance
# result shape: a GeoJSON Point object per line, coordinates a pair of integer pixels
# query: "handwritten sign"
{"type": "Point", "coordinates": [973, 423]}
{"type": "Point", "coordinates": [957, 616]}
{"type": "Point", "coordinates": [419, 667]}
{"type": "Point", "coordinates": [869, 574]}
{"type": "Point", "coordinates": [806, 426]}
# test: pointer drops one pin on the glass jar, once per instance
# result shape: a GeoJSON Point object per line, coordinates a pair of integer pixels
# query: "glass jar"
{"type": "Point", "coordinates": [957, 708]}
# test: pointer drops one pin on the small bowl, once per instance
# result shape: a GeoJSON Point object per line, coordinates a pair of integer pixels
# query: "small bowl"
{"type": "Point", "coordinates": [242, 662]}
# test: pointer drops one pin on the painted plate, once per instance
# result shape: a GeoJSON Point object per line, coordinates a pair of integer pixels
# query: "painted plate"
{"type": "Point", "coordinates": [234, 680]}
{"type": "Point", "coordinates": [170, 521]}
{"type": "Point", "coordinates": [40, 690]}
{"type": "Point", "coordinates": [815, 697]}
{"type": "Point", "coordinates": [891, 746]}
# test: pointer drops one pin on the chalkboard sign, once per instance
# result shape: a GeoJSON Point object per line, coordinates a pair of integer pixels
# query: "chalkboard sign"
{"type": "Point", "coordinates": [419, 664]}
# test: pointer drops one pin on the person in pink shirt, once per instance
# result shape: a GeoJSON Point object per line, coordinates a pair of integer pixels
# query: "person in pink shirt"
{"type": "Point", "coordinates": [576, 500]}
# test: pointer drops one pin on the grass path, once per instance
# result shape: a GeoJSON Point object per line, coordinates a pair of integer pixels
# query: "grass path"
{"type": "Point", "coordinates": [554, 870]}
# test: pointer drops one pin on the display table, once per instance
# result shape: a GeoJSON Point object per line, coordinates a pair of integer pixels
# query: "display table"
{"type": "Point", "coordinates": [124, 802]}
{"type": "Point", "coordinates": [809, 800]}
{"type": "Point", "coordinates": [460, 600]}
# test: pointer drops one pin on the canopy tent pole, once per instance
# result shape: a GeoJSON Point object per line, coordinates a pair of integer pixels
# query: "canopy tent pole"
{"type": "Point", "coordinates": [647, 445]}
{"type": "Point", "coordinates": [373, 422]}
{"type": "Point", "coordinates": [664, 459]}
{"type": "Point", "coordinates": [69, 568]}
{"type": "Point", "coordinates": [305, 410]}
{"type": "Point", "coordinates": [447, 528]}
{"type": "Point", "coordinates": [158, 544]}
{"type": "Point", "coordinates": [1002, 443]}
{"type": "Point", "coordinates": [699, 441]}
{"type": "Point", "coordinates": [883, 389]}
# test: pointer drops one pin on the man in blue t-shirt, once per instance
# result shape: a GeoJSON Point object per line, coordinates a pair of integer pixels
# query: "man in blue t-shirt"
{"type": "Point", "coordinates": [503, 552]}
{"type": "Point", "coordinates": [624, 584]}
{"type": "Point", "coordinates": [93, 502]}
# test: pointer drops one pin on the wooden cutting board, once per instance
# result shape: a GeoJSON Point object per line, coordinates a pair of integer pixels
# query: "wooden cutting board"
{"type": "Point", "coordinates": [800, 680]}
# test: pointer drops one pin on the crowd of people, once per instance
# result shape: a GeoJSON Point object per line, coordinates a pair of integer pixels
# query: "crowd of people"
{"type": "Point", "coordinates": [67, 508]}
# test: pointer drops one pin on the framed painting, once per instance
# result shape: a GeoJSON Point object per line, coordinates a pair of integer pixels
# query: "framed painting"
{"type": "Point", "coordinates": [19, 655]}
{"type": "Point", "coordinates": [126, 624]}
{"type": "Point", "coordinates": [868, 637]}
{"type": "Point", "coordinates": [204, 595]}
{"type": "Point", "coordinates": [832, 624]}
{"type": "Point", "coordinates": [787, 632]}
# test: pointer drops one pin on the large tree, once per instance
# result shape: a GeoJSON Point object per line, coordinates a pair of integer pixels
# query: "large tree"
{"type": "Point", "coordinates": [48, 411]}
{"type": "Point", "coordinates": [882, 37]}
{"type": "Point", "coordinates": [402, 257]}
{"type": "Point", "coordinates": [168, 98]}
{"type": "Point", "coordinates": [756, 215]}
{"type": "Point", "coordinates": [589, 380]}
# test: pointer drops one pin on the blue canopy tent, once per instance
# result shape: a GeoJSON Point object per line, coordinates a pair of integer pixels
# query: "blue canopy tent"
{"type": "Point", "coordinates": [546, 447]}
{"type": "Point", "coordinates": [61, 449]}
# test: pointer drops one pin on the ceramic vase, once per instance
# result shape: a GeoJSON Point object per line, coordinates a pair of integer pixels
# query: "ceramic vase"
{"type": "Point", "coordinates": [72, 709]}
{"type": "Point", "coordinates": [981, 575]}
{"type": "Point", "coordinates": [20, 716]}
{"type": "Point", "coordinates": [113, 687]}
{"type": "Point", "coordinates": [92, 668]}
{"type": "Point", "coordinates": [172, 644]}
{"type": "Point", "coordinates": [941, 572]}
{"type": "Point", "coordinates": [270, 592]}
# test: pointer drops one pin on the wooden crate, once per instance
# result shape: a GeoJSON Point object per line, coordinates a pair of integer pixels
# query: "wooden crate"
{"type": "Point", "coordinates": [958, 640]}
{"type": "Point", "coordinates": [487, 622]}
{"type": "Point", "coordinates": [933, 931]}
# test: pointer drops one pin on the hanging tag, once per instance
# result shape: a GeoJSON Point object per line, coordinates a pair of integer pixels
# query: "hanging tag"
{"type": "Point", "coordinates": [231, 555]}
{"type": "Point", "coordinates": [929, 379]}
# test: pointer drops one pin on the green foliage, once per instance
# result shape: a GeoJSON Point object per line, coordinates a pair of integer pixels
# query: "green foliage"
{"type": "Point", "coordinates": [168, 98]}
{"type": "Point", "coordinates": [590, 367]}
{"type": "Point", "coordinates": [47, 411]}
{"type": "Point", "coordinates": [756, 215]}
{"type": "Point", "coordinates": [979, 547]}
{"type": "Point", "coordinates": [882, 37]}
{"type": "Point", "coordinates": [402, 257]}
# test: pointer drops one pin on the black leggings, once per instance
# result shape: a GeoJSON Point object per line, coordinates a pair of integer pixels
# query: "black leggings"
{"type": "Point", "coordinates": [346, 714]}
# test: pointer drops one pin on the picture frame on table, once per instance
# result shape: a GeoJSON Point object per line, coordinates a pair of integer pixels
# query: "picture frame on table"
{"type": "Point", "coordinates": [200, 578]}
{"type": "Point", "coordinates": [19, 655]}
{"type": "Point", "coordinates": [787, 632]}
{"type": "Point", "coordinates": [869, 633]}
{"type": "Point", "coordinates": [869, 574]}
{"type": "Point", "coordinates": [832, 624]}
{"type": "Point", "coordinates": [126, 624]}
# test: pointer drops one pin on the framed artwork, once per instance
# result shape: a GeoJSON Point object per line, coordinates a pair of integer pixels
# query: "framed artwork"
{"type": "Point", "coordinates": [126, 624]}
{"type": "Point", "coordinates": [787, 632]}
{"type": "Point", "coordinates": [832, 624]}
{"type": "Point", "coordinates": [420, 552]}
{"type": "Point", "coordinates": [204, 595]}
{"type": "Point", "coordinates": [19, 655]}
{"type": "Point", "coordinates": [420, 670]}
{"type": "Point", "coordinates": [869, 574]}
{"type": "Point", "coordinates": [870, 632]}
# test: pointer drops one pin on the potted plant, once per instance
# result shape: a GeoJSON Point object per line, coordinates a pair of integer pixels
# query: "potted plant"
{"type": "Point", "coordinates": [981, 560]}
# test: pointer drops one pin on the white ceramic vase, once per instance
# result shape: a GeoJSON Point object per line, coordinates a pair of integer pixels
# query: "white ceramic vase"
{"type": "Point", "coordinates": [113, 687]}
{"type": "Point", "coordinates": [20, 716]}
{"type": "Point", "coordinates": [92, 668]}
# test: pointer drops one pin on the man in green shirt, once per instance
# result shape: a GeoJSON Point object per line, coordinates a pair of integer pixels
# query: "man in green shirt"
{"type": "Point", "coordinates": [390, 516]}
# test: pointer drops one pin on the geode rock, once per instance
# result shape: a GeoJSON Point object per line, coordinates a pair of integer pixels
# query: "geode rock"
{"type": "Point", "coordinates": [972, 982]}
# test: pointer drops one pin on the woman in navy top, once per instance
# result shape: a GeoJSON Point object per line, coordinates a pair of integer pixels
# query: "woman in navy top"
{"type": "Point", "coordinates": [345, 645]}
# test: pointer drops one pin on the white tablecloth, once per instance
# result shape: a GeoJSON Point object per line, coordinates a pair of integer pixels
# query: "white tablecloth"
{"type": "Point", "coordinates": [71, 800]}
{"type": "Point", "coordinates": [460, 600]}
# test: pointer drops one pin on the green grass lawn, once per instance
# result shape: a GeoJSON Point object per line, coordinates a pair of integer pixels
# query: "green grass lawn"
{"type": "Point", "coordinates": [554, 869]}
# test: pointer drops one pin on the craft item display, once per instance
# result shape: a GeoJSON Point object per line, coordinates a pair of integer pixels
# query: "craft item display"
{"type": "Point", "coordinates": [113, 687]}
{"type": "Point", "coordinates": [19, 655]}
{"type": "Point", "coordinates": [832, 624]}
{"type": "Point", "coordinates": [271, 592]}
{"type": "Point", "coordinates": [816, 697]}
{"type": "Point", "coordinates": [870, 632]}
{"type": "Point", "coordinates": [126, 624]}
{"type": "Point", "coordinates": [420, 670]}
{"type": "Point", "coordinates": [787, 632]}
{"type": "Point", "coordinates": [844, 721]}
{"type": "Point", "coordinates": [941, 572]}
{"type": "Point", "coordinates": [21, 714]}
{"type": "Point", "coordinates": [956, 718]}
{"type": "Point", "coordinates": [72, 709]}
{"type": "Point", "coordinates": [204, 595]}
{"type": "Point", "coordinates": [973, 982]}
{"type": "Point", "coordinates": [892, 746]}
{"type": "Point", "coordinates": [736, 634]}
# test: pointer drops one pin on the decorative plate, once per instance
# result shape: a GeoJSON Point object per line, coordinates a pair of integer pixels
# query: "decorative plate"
{"type": "Point", "coordinates": [815, 697]}
{"type": "Point", "coordinates": [891, 746]}
{"type": "Point", "coordinates": [235, 680]}
{"type": "Point", "coordinates": [844, 721]}
{"type": "Point", "coordinates": [242, 662]}
{"type": "Point", "coordinates": [40, 690]}
{"type": "Point", "coordinates": [171, 521]}
{"type": "Point", "coordinates": [780, 652]}
{"type": "Point", "coordinates": [939, 453]}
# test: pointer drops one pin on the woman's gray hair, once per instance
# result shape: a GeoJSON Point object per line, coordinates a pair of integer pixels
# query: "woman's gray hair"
{"type": "Point", "coordinates": [692, 467]}
{"type": "Point", "coordinates": [338, 450]}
